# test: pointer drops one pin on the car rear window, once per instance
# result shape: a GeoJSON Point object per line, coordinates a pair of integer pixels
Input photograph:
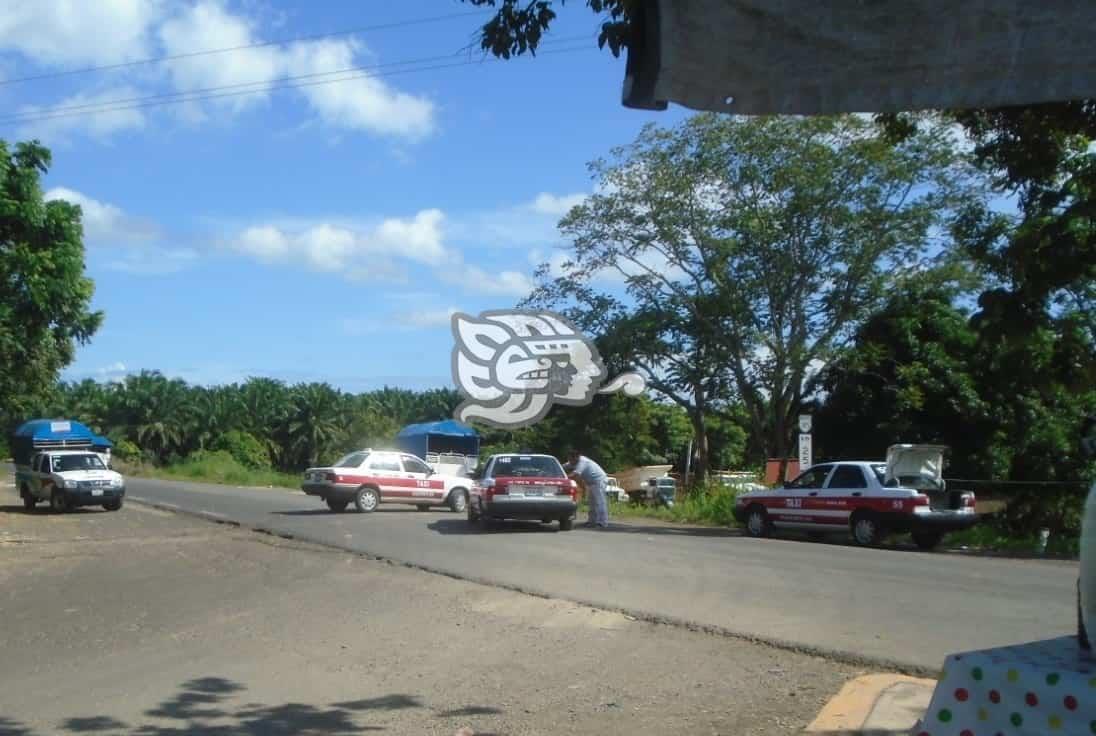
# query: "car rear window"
{"type": "Point", "coordinates": [352, 460]}
{"type": "Point", "coordinates": [527, 466]}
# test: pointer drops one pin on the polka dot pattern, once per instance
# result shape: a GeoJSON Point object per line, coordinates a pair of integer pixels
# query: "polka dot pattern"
{"type": "Point", "coordinates": [1043, 687]}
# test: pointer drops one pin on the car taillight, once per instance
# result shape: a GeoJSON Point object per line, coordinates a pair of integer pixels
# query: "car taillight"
{"type": "Point", "coordinates": [568, 490]}
{"type": "Point", "coordinates": [330, 477]}
{"type": "Point", "coordinates": [921, 500]}
{"type": "Point", "coordinates": [967, 500]}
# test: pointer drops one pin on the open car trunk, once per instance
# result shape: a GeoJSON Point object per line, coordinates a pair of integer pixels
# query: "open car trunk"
{"type": "Point", "coordinates": [921, 467]}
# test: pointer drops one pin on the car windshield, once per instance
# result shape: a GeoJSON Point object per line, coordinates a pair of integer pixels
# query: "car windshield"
{"type": "Point", "coordinates": [63, 463]}
{"type": "Point", "coordinates": [352, 460]}
{"type": "Point", "coordinates": [527, 466]}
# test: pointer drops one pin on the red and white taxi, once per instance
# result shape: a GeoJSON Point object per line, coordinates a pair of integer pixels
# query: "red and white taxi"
{"type": "Point", "coordinates": [369, 478]}
{"type": "Point", "coordinates": [907, 493]}
{"type": "Point", "coordinates": [529, 487]}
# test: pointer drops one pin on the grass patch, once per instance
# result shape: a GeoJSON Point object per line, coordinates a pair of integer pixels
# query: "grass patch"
{"type": "Point", "coordinates": [214, 467]}
{"type": "Point", "coordinates": [710, 506]}
{"type": "Point", "coordinates": [987, 536]}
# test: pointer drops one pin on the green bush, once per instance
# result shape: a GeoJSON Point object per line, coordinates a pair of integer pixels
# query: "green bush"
{"type": "Point", "coordinates": [245, 448]}
{"type": "Point", "coordinates": [127, 451]}
{"type": "Point", "coordinates": [219, 466]}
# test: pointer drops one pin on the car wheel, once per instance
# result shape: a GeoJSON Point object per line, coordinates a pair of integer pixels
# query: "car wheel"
{"type": "Point", "coordinates": [58, 501]}
{"type": "Point", "coordinates": [29, 501]}
{"type": "Point", "coordinates": [336, 505]}
{"type": "Point", "coordinates": [566, 525]}
{"type": "Point", "coordinates": [113, 505]}
{"type": "Point", "coordinates": [473, 513]}
{"type": "Point", "coordinates": [865, 529]}
{"type": "Point", "coordinates": [927, 540]}
{"type": "Point", "coordinates": [458, 500]}
{"type": "Point", "coordinates": [367, 499]}
{"type": "Point", "coordinates": [757, 521]}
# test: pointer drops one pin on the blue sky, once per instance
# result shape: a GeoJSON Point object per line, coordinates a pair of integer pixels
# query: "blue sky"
{"type": "Point", "coordinates": [320, 233]}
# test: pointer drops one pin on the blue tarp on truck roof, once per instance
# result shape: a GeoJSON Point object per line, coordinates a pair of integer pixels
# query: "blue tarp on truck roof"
{"type": "Point", "coordinates": [53, 434]}
{"type": "Point", "coordinates": [444, 436]}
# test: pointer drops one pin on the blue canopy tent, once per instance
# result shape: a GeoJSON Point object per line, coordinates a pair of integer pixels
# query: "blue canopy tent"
{"type": "Point", "coordinates": [54, 434]}
{"type": "Point", "coordinates": [448, 436]}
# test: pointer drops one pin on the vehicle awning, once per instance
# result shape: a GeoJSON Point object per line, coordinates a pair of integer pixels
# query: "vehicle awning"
{"type": "Point", "coordinates": [444, 436]}
{"type": "Point", "coordinates": [52, 434]}
{"type": "Point", "coordinates": [809, 57]}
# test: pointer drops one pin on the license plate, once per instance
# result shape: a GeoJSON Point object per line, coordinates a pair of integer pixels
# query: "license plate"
{"type": "Point", "coordinates": [97, 491]}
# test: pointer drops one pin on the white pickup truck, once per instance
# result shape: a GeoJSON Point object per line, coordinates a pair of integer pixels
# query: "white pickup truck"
{"type": "Point", "coordinates": [68, 479]}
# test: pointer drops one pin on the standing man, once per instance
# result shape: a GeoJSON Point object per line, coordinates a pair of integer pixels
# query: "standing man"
{"type": "Point", "coordinates": [579, 467]}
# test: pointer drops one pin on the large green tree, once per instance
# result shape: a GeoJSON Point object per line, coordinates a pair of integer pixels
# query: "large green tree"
{"type": "Point", "coordinates": [45, 296]}
{"type": "Point", "coordinates": [749, 250]}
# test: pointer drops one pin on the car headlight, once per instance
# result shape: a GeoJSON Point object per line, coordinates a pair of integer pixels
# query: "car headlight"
{"type": "Point", "coordinates": [116, 483]}
{"type": "Point", "coordinates": [70, 484]}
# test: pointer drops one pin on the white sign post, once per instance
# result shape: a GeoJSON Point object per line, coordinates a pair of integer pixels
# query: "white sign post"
{"type": "Point", "coordinates": [804, 452]}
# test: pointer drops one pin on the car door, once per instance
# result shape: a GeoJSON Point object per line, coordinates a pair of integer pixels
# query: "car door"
{"type": "Point", "coordinates": [386, 469]}
{"type": "Point", "coordinates": [797, 504]}
{"type": "Point", "coordinates": [34, 477]}
{"type": "Point", "coordinates": [844, 493]}
{"type": "Point", "coordinates": [421, 481]}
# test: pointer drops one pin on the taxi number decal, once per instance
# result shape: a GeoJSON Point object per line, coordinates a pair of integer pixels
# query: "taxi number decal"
{"type": "Point", "coordinates": [422, 483]}
{"type": "Point", "coordinates": [794, 503]}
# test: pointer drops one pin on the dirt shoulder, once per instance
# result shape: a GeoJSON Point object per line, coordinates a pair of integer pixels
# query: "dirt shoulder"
{"type": "Point", "coordinates": [147, 621]}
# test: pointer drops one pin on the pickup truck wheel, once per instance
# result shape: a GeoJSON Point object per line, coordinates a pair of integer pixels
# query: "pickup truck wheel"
{"type": "Point", "coordinates": [336, 505]}
{"type": "Point", "coordinates": [566, 525]}
{"type": "Point", "coordinates": [367, 499]}
{"type": "Point", "coordinates": [29, 501]}
{"type": "Point", "coordinates": [757, 521]}
{"type": "Point", "coordinates": [473, 513]}
{"type": "Point", "coordinates": [113, 505]}
{"type": "Point", "coordinates": [458, 500]}
{"type": "Point", "coordinates": [865, 528]}
{"type": "Point", "coordinates": [58, 501]}
{"type": "Point", "coordinates": [927, 540]}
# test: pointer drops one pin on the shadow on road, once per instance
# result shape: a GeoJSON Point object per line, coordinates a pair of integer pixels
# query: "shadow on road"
{"type": "Point", "coordinates": [205, 706]}
{"type": "Point", "coordinates": [463, 526]}
{"type": "Point", "coordinates": [42, 509]}
{"type": "Point", "coordinates": [673, 531]}
{"type": "Point", "coordinates": [324, 511]}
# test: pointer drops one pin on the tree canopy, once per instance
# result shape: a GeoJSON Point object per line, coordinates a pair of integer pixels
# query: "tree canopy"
{"type": "Point", "coordinates": [748, 251]}
{"type": "Point", "coordinates": [45, 297]}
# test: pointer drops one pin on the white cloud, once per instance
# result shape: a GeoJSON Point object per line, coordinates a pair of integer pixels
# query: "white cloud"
{"type": "Point", "coordinates": [62, 124]}
{"type": "Point", "coordinates": [208, 25]}
{"type": "Point", "coordinates": [360, 102]}
{"type": "Point", "coordinates": [359, 252]}
{"type": "Point", "coordinates": [475, 279]}
{"type": "Point", "coordinates": [427, 318]}
{"type": "Point", "coordinates": [154, 261]}
{"type": "Point", "coordinates": [69, 32]}
{"type": "Point", "coordinates": [558, 205]}
{"type": "Point", "coordinates": [105, 223]}
{"type": "Point", "coordinates": [355, 102]}
{"type": "Point", "coordinates": [399, 321]}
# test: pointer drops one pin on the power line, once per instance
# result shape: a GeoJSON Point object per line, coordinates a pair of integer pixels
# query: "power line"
{"type": "Point", "coordinates": [182, 97]}
{"type": "Point", "coordinates": [93, 107]}
{"type": "Point", "coordinates": [228, 49]}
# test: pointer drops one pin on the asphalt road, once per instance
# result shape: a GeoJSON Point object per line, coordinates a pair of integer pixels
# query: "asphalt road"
{"type": "Point", "coordinates": [884, 605]}
{"type": "Point", "coordinates": [152, 623]}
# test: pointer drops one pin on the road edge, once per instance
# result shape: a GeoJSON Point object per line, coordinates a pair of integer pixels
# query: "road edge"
{"type": "Point", "coordinates": [839, 655]}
